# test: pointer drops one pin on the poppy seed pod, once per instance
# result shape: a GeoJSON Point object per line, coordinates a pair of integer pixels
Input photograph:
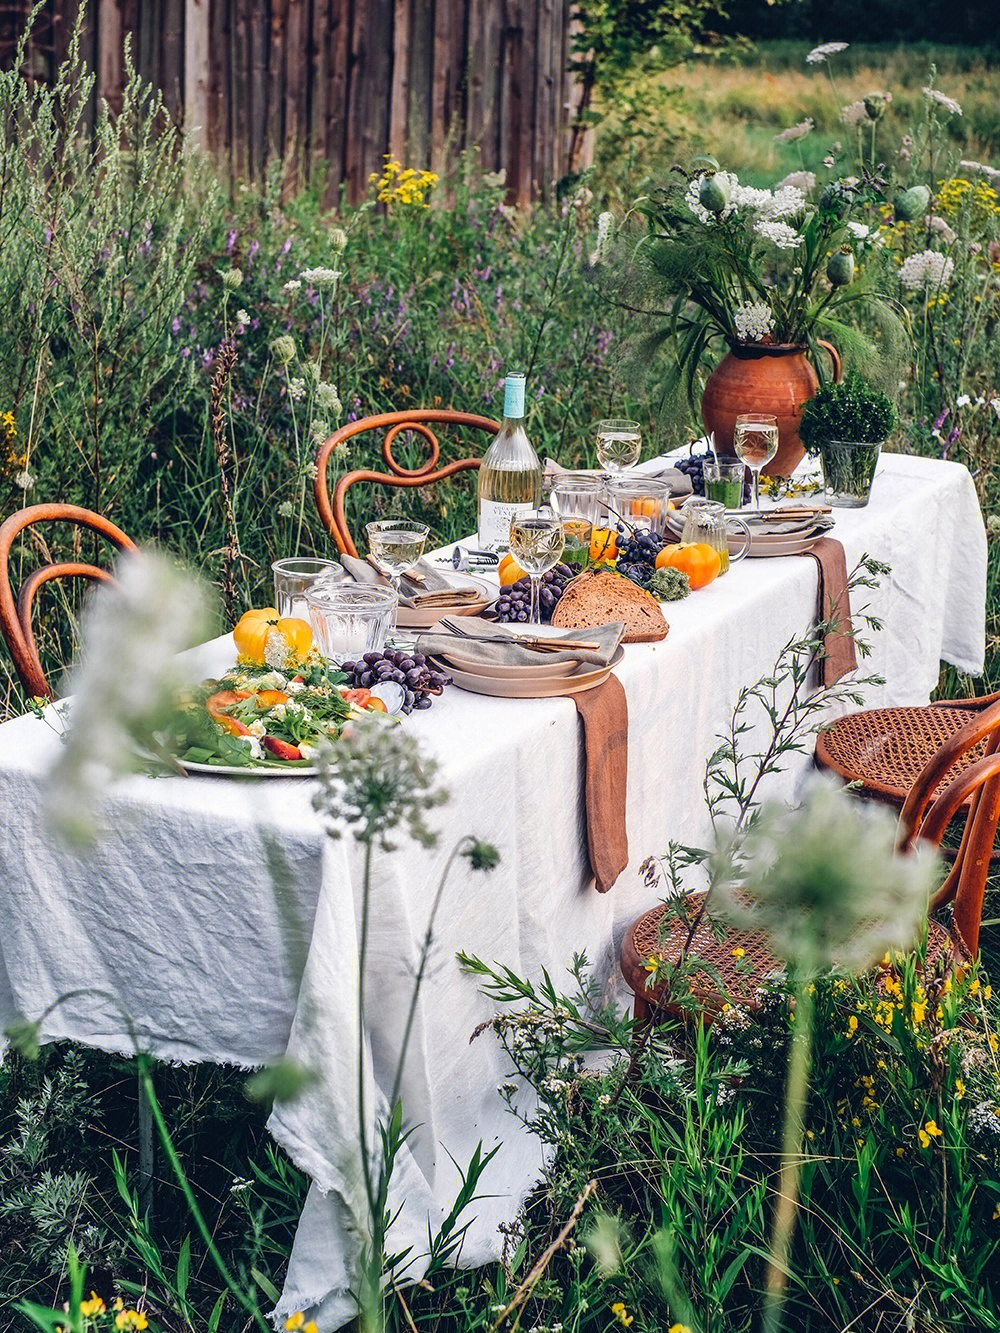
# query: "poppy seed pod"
{"type": "Point", "coordinates": [713, 194]}
{"type": "Point", "coordinates": [912, 203]}
{"type": "Point", "coordinates": [840, 268]}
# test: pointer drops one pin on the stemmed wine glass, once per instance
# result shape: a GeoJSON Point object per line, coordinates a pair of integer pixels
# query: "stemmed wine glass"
{"type": "Point", "coordinates": [755, 440]}
{"type": "Point", "coordinates": [536, 543]}
{"type": "Point", "coordinates": [395, 545]}
{"type": "Point", "coordinates": [619, 444]}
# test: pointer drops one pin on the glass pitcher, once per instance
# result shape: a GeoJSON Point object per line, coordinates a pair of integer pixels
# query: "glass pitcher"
{"type": "Point", "coordinates": [710, 522]}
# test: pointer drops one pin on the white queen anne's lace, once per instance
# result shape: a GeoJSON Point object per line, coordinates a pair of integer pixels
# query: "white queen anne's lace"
{"type": "Point", "coordinates": [941, 99]}
{"type": "Point", "coordinates": [753, 320]}
{"type": "Point", "coordinates": [928, 270]}
{"type": "Point", "coordinates": [819, 53]}
{"type": "Point", "coordinates": [780, 234]}
{"type": "Point", "coordinates": [698, 208]}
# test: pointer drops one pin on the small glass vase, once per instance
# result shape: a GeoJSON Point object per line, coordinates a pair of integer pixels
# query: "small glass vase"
{"type": "Point", "coordinates": [848, 471]}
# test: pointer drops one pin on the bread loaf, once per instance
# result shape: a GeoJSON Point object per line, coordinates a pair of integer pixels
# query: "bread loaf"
{"type": "Point", "coordinates": [600, 597]}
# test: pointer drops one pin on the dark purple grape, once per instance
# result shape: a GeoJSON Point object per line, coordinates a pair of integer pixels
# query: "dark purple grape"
{"type": "Point", "coordinates": [372, 658]}
{"type": "Point", "coordinates": [348, 667]}
{"type": "Point", "coordinates": [366, 678]}
{"type": "Point", "coordinates": [423, 702]}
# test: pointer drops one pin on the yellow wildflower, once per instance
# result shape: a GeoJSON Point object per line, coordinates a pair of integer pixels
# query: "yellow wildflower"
{"type": "Point", "coordinates": [651, 964]}
{"type": "Point", "coordinates": [621, 1314]}
{"type": "Point", "coordinates": [993, 1043]}
{"type": "Point", "coordinates": [852, 1026]}
{"type": "Point", "coordinates": [930, 1131]}
{"type": "Point", "coordinates": [960, 1088]}
{"type": "Point", "coordinates": [92, 1307]}
{"type": "Point", "coordinates": [679, 1328]}
{"type": "Point", "coordinates": [295, 1321]}
{"type": "Point", "coordinates": [996, 1213]}
{"type": "Point", "coordinates": [739, 953]}
{"type": "Point", "coordinates": [133, 1319]}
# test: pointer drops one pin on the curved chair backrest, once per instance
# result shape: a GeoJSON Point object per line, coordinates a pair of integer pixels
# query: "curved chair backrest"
{"type": "Point", "coordinates": [15, 615]}
{"type": "Point", "coordinates": [936, 797]}
{"type": "Point", "coordinates": [333, 515]}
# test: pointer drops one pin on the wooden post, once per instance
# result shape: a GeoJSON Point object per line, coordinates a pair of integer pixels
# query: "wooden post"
{"type": "Point", "coordinates": [399, 98]}
{"type": "Point", "coordinates": [109, 53]}
{"type": "Point", "coordinates": [196, 71]}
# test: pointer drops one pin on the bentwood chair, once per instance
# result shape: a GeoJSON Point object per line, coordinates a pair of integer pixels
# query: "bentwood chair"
{"type": "Point", "coordinates": [15, 613]}
{"type": "Point", "coordinates": [399, 423]}
{"type": "Point", "coordinates": [964, 771]}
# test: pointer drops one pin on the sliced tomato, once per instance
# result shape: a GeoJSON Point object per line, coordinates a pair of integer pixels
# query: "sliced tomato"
{"type": "Point", "coordinates": [359, 697]}
{"type": "Point", "coordinates": [268, 698]}
{"type": "Point", "coordinates": [281, 749]}
{"type": "Point", "coordinates": [215, 703]}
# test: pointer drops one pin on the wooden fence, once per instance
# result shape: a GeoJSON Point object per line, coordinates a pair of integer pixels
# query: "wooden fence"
{"type": "Point", "coordinates": [336, 84]}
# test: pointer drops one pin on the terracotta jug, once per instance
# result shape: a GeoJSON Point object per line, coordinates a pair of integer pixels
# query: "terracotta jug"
{"type": "Point", "coordinates": [775, 379]}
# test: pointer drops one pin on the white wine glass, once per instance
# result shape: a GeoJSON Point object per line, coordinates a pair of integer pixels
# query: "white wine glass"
{"type": "Point", "coordinates": [395, 545]}
{"type": "Point", "coordinates": [619, 444]}
{"type": "Point", "coordinates": [536, 543]}
{"type": "Point", "coordinates": [755, 439]}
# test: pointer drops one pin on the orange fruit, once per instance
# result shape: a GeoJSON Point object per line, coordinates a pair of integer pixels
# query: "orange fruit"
{"type": "Point", "coordinates": [699, 561]}
{"type": "Point", "coordinates": [510, 571]}
{"type": "Point", "coordinates": [603, 546]}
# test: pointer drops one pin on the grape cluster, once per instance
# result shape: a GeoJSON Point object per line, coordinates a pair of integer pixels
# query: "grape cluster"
{"type": "Point", "coordinates": [691, 467]}
{"type": "Point", "coordinates": [514, 603]}
{"type": "Point", "coordinates": [637, 552]}
{"type": "Point", "coordinates": [419, 680]}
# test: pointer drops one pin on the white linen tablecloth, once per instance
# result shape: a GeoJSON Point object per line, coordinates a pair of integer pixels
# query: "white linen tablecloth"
{"type": "Point", "coordinates": [215, 921]}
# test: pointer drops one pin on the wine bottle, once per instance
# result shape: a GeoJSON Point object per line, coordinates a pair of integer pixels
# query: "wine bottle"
{"type": "Point", "coordinates": [510, 476]}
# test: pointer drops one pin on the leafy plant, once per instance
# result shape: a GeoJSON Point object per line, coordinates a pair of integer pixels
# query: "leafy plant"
{"type": "Point", "coordinates": [852, 410]}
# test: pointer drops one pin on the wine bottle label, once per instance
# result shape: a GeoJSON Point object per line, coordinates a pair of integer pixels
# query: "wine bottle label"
{"type": "Point", "coordinates": [495, 518]}
{"type": "Point", "coordinates": [513, 396]}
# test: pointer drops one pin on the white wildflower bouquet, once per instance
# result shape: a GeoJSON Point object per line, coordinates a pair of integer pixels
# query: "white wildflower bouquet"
{"type": "Point", "coordinates": [724, 262]}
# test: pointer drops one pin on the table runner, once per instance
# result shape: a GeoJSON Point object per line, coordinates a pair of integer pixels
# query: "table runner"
{"type": "Point", "coordinates": [833, 605]}
{"type": "Point", "coordinates": [223, 967]}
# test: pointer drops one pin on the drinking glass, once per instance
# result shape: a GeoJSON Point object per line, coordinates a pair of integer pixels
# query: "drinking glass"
{"type": "Point", "coordinates": [293, 580]}
{"type": "Point", "coordinates": [724, 481]}
{"type": "Point", "coordinates": [536, 543]}
{"type": "Point", "coordinates": [576, 498]}
{"type": "Point", "coordinates": [755, 440]}
{"type": "Point", "coordinates": [709, 521]}
{"type": "Point", "coordinates": [619, 444]}
{"type": "Point", "coordinates": [641, 503]}
{"type": "Point", "coordinates": [350, 619]}
{"type": "Point", "coordinates": [395, 545]}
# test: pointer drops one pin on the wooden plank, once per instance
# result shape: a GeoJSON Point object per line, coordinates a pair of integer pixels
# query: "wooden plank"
{"type": "Point", "coordinates": [489, 133]}
{"type": "Point", "coordinates": [259, 34]}
{"type": "Point", "coordinates": [216, 129]}
{"type": "Point", "coordinates": [275, 92]}
{"type": "Point", "coordinates": [240, 47]}
{"type": "Point", "coordinates": [296, 112]}
{"type": "Point", "coordinates": [399, 101]}
{"type": "Point", "coordinates": [421, 83]}
{"type": "Point", "coordinates": [172, 58]}
{"type": "Point", "coordinates": [109, 53]}
{"type": "Point", "coordinates": [558, 68]}
{"type": "Point", "coordinates": [319, 51]}
{"type": "Point", "coordinates": [440, 84]}
{"type": "Point", "coordinates": [336, 96]}
{"type": "Point", "coordinates": [196, 31]}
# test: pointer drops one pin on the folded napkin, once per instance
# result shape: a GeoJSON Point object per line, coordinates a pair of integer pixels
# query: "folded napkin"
{"type": "Point", "coordinates": [603, 712]}
{"type": "Point", "coordinates": [654, 469]}
{"type": "Point", "coordinates": [512, 654]}
{"type": "Point", "coordinates": [435, 590]}
{"type": "Point", "coordinates": [834, 604]}
{"type": "Point", "coordinates": [789, 527]}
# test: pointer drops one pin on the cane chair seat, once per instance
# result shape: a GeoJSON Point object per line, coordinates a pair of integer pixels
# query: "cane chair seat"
{"type": "Point", "coordinates": [885, 749]}
{"type": "Point", "coordinates": [736, 966]}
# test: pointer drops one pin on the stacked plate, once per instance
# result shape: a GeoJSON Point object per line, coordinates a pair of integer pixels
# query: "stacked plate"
{"type": "Point", "coordinates": [768, 537]}
{"type": "Point", "coordinates": [541, 679]}
{"type": "Point", "coordinates": [422, 617]}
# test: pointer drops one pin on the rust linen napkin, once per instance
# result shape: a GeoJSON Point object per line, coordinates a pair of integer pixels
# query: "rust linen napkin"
{"type": "Point", "coordinates": [604, 714]}
{"type": "Point", "coordinates": [834, 604]}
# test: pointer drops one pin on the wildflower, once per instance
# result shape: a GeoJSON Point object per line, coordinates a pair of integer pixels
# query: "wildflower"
{"type": "Point", "coordinates": [820, 53]}
{"type": "Point", "coordinates": [824, 882]}
{"type": "Point", "coordinates": [243, 316]}
{"type": "Point", "coordinates": [852, 1027]}
{"type": "Point", "coordinates": [286, 509]}
{"type": "Point", "coordinates": [283, 348]}
{"type": "Point", "coordinates": [930, 1131]}
{"type": "Point", "coordinates": [939, 99]}
{"type": "Point", "coordinates": [853, 114]}
{"type": "Point", "coordinates": [753, 321]}
{"type": "Point", "coordinates": [232, 278]}
{"type": "Point", "coordinates": [24, 480]}
{"type": "Point", "coordinates": [328, 398]}
{"type": "Point", "coordinates": [296, 388]}
{"type": "Point", "coordinates": [127, 681]}
{"type": "Point", "coordinates": [981, 169]}
{"type": "Point", "coordinates": [481, 855]}
{"type": "Point", "coordinates": [803, 181]}
{"type": "Point", "coordinates": [605, 223]}
{"type": "Point", "coordinates": [338, 239]}
{"type": "Point", "coordinates": [927, 270]}
{"type": "Point", "coordinates": [292, 285]}
{"type": "Point", "coordinates": [780, 234]}
{"type": "Point", "coordinates": [320, 277]}
{"type": "Point", "coordinates": [876, 104]}
{"type": "Point", "coordinates": [377, 780]}
{"type": "Point", "coordinates": [294, 1321]}
{"type": "Point", "coordinates": [92, 1307]}
{"type": "Point", "coordinates": [959, 1088]}
{"type": "Point", "coordinates": [679, 1328]}
{"type": "Point", "coordinates": [133, 1319]}
{"type": "Point", "coordinates": [794, 132]}
{"type": "Point", "coordinates": [739, 953]}
{"type": "Point", "coordinates": [727, 182]}
{"type": "Point", "coordinates": [938, 224]}
{"type": "Point", "coordinates": [858, 230]}
{"type": "Point", "coordinates": [621, 1314]}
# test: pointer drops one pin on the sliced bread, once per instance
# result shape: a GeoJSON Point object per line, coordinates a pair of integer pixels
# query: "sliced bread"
{"type": "Point", "coordinates": [600, 597]}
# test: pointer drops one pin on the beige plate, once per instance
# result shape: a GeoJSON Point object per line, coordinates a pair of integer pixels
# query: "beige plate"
{"type": "Point", "coordinates": [413, 617]}
{"type": "Point", "coordinates": [586, 677]}
{"type": "Point", "coordinates": [763, 546]}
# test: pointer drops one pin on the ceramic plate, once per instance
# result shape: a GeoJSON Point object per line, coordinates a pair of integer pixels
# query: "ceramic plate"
{"type": "Point", "coordinates": [414, 617]}
{"type": "Point", "coordinates": [763, 545]}
{"type": "Point", "coordinates": [542, 667]}
{"type": "Point", "coordinates": [585, 677]}
{"type": "Point", "coordinates": [232, 771]}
